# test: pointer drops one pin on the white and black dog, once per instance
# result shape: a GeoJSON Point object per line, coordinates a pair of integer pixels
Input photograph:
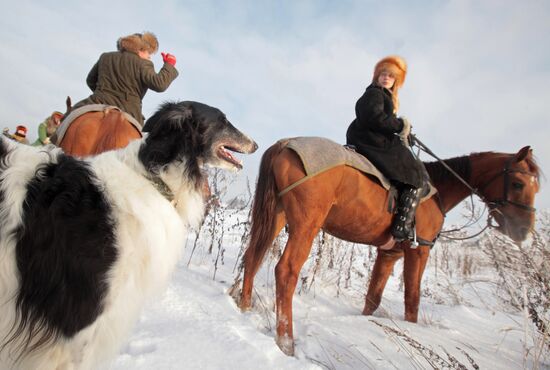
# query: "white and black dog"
{"type": "Point", "coordinates": [84, 242]}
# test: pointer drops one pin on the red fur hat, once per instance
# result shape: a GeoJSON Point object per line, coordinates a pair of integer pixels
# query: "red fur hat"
{"type": "Point", "coordinates": [21, 131]}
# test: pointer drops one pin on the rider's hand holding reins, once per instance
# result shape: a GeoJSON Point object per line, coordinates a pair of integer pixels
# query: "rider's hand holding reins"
{"type": "Point", "coordinates": [404, 134]}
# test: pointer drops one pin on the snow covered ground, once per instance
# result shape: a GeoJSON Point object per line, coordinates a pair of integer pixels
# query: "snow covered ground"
{"type": "Point", "coordinates": [195, 324]}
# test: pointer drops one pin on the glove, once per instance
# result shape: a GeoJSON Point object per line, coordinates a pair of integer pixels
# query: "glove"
{"type": "Point", "coordinates": [404, 134]}
{"type": "Point", "coordinates": [169, 58]}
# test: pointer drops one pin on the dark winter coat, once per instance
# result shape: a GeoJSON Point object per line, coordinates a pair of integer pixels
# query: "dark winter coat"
{"type": "Point", "coordinates": [373, 133]}
{"type": "Point", "coordinates": [121, 78]}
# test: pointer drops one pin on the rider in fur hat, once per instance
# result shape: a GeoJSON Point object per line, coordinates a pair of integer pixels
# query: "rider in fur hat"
{"type": "Point", "coordinates": [20, 134]}
{"type": "Point", "coordinates": [121, 78]}
{"type": "Point", "coordinates": [380, 135]}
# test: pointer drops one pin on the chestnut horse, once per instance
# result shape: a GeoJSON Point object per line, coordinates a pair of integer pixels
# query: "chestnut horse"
{"type": "Point", "coordinates": [96, 132]}
{"type": "Point", "coordinates": [352, 206]}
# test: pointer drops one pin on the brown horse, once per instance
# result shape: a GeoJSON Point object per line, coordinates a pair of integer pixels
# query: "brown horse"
{"type": "Point", "coordinates": [352, 206]}
{"type": "Point", "coordinates": [96, 132]}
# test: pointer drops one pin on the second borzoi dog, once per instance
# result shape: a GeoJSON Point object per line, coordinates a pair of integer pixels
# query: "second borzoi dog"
{"type": "Point", "coordinates": [84, 242]}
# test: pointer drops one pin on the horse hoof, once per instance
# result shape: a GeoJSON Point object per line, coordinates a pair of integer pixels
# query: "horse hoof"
{"type": "Point", "coordinates": [245, 308]}
{"type": "Point", "coordinates": [367, 312]}
{"type": "Point", "coordinates": [411, 317]}
{"type": "Point", "coordinates": [286, 345]}
{"type": "Point", "coordinates": [369, 307]}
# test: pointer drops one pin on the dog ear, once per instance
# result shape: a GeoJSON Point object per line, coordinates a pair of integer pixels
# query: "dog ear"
{"type": "Point", "coordinates": [169, 113]}
{"type": "Point", "coordinates": [172, 136]}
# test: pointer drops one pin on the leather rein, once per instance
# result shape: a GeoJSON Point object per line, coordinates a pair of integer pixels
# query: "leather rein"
{"type": "Point", "coordinates": [494, 204]}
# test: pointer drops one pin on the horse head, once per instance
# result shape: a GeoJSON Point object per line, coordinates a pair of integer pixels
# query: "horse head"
{"type": "Point", "coordinates": [509, 189]}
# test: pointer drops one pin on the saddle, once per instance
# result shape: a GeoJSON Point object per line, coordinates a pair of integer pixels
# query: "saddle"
{"type": "Point", "coordinates": [75, 113]}
{"type": "Point", "coordinates": [320, 154]}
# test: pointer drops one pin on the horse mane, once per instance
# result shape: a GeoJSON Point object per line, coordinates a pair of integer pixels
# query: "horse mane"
{"type": "Point", "coordinates": [461, 165]}
{"type": "Point", "coordinates": [534, 167]}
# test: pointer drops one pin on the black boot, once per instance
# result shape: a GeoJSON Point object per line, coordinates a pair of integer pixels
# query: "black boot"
{"type": "Point", "coordinates": [401, 228]}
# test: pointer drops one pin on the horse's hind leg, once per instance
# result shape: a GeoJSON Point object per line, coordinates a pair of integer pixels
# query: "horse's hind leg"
{"type": "Point", "coordinates": [383, 267]}
{"type": "Point", "coordinates": [286, 277]}
{"type": "Point", "coordinates": [253, 258]}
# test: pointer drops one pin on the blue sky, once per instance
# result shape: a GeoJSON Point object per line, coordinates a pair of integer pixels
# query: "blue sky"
{"type": "Point", "coordinates": [478, 77]}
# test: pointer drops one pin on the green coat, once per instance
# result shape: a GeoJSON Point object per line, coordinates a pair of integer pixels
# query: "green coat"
{"type": "Point", "coordinates": [42, 134]}
{"type": "Point", "coordinates": [121, 78]}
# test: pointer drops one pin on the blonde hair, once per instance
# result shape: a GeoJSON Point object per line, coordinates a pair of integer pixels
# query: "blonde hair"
{"type": "Point", "coordinates": [398, 68]}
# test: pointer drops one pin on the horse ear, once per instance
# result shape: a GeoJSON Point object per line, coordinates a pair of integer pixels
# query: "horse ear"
{"type": "Point", "coordinates": [523, 153]}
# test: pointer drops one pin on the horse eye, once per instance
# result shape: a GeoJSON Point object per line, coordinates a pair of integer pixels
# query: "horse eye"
{"type": "Point", "coordinates": [517, 185]}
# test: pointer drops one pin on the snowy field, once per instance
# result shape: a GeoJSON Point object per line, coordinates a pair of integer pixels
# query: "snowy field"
{"type": "Point", "coordinates": [470, 313]}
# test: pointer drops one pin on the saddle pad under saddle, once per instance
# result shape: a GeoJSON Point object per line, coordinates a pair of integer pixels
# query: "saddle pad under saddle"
{"type": "Point", "coordinates": [74, 114]}
{"type": "Point", "coordinates": [320, 154]}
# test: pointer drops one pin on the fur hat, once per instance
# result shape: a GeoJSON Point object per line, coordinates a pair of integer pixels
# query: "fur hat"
{"type": "Point", "coordinates": [136, 42]}
{"type": "Point", "coordinates": [394, 64]}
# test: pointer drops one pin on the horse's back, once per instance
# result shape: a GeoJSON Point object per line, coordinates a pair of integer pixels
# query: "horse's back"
{"type": "Point", "coordinates": [97, 132]}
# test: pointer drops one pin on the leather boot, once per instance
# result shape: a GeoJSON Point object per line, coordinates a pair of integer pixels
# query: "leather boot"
{"type": "Point", "coordinates": [408, 201]}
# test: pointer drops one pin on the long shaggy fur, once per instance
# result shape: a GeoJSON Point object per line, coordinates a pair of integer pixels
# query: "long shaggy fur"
{"type": "Point", "coordinates": [84, 243]}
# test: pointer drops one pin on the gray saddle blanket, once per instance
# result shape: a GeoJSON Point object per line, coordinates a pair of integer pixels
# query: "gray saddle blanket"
{"type": "Point", "coordinates": [74, 114]}
{"type": "Point", "coordinates": [319, 155]}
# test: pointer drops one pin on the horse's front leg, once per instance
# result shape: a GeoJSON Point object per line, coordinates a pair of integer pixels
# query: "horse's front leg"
{"type": "Point", "coordinates": [415, 263]}
{"type": "Point", "coordinates": [286, 277]}
{"type": "Point", "coordinates": [383, 267]}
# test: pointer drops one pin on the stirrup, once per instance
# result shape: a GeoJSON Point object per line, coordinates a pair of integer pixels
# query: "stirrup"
{"type": "Point", "coordinates": [414, 242]}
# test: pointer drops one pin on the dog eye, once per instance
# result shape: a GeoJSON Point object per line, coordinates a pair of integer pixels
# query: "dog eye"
{"type": "Point", "coordinates": [517, 185]}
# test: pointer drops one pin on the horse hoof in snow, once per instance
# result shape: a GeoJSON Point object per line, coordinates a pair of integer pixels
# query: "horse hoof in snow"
{"type": "Point", "coordinates": [84, 242]}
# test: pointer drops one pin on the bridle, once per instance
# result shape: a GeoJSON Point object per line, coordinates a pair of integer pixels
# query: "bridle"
{"type": "Point", "coordinates": [500, 202]}
{"type": "Point", "coordinates": [494, 204]}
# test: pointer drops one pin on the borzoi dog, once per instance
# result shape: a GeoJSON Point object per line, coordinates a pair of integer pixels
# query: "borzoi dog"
{"type": "Point", "coordinates": [84, 242]}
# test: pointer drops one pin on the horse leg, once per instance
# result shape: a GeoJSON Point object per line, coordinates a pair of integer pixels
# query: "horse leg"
{"type": "Point", "coordinates": [286, 277]}
{"type": "Point", "coordinates": [383, 267]}
{"type": "Point", "coordinates": [253, 258]}
{"type": "Point", "coordinates": [415, 263]}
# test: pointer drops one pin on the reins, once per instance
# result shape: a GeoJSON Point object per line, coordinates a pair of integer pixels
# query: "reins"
{"type": "Point", "coordinates": [493, 205]}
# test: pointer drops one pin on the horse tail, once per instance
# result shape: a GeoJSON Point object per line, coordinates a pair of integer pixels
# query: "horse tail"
{"type": "Point", "coordinates": [264, 210]}
{"type": "Point", "coordinates": [262, 233]}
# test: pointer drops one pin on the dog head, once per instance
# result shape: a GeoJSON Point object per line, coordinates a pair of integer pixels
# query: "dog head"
{"type": "Point", "coordinates": [193, 132]}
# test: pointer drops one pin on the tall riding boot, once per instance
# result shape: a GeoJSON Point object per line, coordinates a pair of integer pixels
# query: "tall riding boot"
{"type": "Point", "coordinates": [408, 201]}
